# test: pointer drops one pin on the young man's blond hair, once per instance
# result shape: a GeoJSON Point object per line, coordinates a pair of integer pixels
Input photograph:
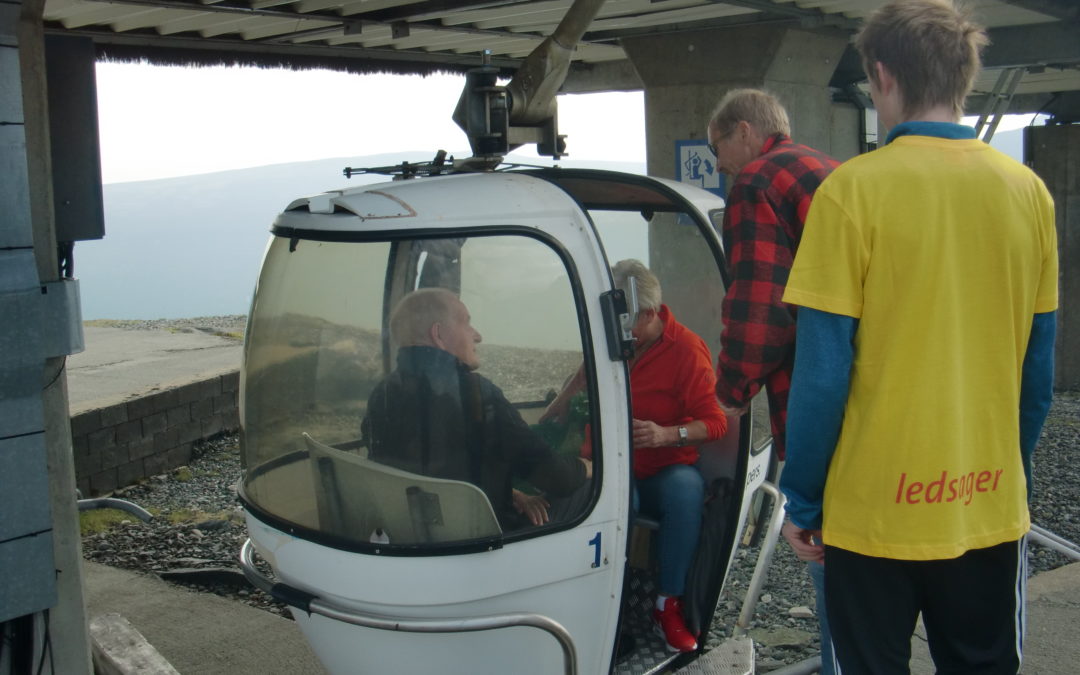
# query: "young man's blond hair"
{"type": "Point", "coordinates": [760, 109]}
{"type": "Point", "coordinates": [932, 47]}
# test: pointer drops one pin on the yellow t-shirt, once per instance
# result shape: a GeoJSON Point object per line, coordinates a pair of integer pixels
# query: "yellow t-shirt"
{"type": "Point", "coordinates": [943, 249]}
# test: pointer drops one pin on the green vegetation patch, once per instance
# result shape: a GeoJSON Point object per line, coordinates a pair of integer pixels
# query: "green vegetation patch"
{"type": "Point", "coordinates": [96, 521]}
{"type": "Point", "coordinates": [230, 335]}
{"type": "Point", "coordinates": [196, 516]}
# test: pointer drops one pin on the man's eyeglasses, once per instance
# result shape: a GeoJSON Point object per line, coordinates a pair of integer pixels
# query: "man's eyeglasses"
{"type": "Point", "coordinates": [713, 144]}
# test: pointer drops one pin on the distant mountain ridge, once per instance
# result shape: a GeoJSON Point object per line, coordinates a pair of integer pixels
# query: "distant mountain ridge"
{"type": "Point", "coordinates": [192, 245]}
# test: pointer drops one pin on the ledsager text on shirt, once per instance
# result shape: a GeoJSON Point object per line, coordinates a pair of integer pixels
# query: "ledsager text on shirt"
{"type": "Point", "coordinates": [944, 490]}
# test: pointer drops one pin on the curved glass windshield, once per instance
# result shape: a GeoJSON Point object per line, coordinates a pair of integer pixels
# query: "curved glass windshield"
{"type": "Point", "coordinates": [395, 392]}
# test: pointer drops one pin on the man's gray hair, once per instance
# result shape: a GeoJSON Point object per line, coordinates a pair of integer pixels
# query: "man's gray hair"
{"type": "Point", "coordinates": [412, 319]}
{"type": "Point", "coordinates": [760, 109]}
{"type": "Point", "coordinates": [648, 286]}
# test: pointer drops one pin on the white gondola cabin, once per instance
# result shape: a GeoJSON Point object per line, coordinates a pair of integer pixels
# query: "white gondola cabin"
{"type": "Point", "coordinates": [397, 567]}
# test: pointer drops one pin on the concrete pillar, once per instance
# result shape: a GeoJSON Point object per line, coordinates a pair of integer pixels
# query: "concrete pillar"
{"type": "Point", "coordinates": [847, 132]}
{"type": "Point", "coordinates": [686, 74]}
{"type": "Point", "coordinates": [35, 436]}
{"type": "Point", "coordinates": [1054, 153]}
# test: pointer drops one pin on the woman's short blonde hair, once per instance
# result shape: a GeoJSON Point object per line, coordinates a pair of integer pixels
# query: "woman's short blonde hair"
{"type": "Point", "coordinates": [648, 286]}
{"type": "Point", "coordinates": [931, 47]}
{"type": "Point", "coordinates": [760, 109]}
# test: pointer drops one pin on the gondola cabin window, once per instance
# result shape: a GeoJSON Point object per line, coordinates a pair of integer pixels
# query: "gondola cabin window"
{"type": "Point", "coordinates": [396, 397]}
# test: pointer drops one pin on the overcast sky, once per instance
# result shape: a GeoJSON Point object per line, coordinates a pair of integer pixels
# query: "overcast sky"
{"type": "Point", "coordinates": [158, 122]}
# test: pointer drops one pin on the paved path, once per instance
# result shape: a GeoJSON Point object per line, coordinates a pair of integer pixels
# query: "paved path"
{"type": "Point", "coordinates": [120, 364]}
{"type": "Point", "coordinates": [199, 633]}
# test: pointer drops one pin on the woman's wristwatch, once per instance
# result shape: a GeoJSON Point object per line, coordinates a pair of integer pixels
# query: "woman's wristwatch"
{"type": "Point", "coordinates": [684, 436]}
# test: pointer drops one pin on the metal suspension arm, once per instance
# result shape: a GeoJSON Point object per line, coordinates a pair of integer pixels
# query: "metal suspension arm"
{"type": "Point", "coordinates": [536, 83]}
{"type": "Point", "coordinates": [498, 119]}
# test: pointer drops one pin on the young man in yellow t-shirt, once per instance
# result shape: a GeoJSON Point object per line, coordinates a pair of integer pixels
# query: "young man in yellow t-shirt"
{"type": "Point", "coordinates": [927, 285]}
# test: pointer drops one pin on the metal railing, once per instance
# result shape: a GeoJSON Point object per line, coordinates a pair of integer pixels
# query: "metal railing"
{"type": "Point", "coordinates": [1052, 541]}
{"type": "Point", "coordinates": [315, 605]}
{"type": "Point", "coordinates": [997, 103]}
{"type": "Point", "coordinates": [765, 554]}
{"type": "Point", "coordinates": [114, 503]}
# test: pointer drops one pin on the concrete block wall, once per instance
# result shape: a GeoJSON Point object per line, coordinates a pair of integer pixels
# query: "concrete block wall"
{"type": "Point", "coordinates": [116, 445]}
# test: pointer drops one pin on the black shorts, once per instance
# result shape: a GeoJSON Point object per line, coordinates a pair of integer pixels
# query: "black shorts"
{"type": "Point", "coordinates": [972, 608]}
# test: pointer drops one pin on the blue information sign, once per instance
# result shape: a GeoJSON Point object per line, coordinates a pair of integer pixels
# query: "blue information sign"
{"type": "Point", "coordinates": [695, 165]}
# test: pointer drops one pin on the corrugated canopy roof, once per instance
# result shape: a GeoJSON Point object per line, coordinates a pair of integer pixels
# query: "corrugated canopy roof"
{"type": "Point", "coordinates": [1042, 36]}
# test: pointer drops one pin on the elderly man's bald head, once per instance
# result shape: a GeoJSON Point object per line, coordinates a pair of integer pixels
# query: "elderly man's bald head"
{"type": "Point", "coordinates": [411, 320]}
{"type": "Point", "coordinates": [435, 317]}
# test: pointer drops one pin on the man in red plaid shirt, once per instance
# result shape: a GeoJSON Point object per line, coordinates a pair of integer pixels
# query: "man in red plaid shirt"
{"type": "Point", "coordinates": [774, 180]}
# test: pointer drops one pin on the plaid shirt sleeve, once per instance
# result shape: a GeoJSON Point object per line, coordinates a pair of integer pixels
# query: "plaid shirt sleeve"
{"type": "Point", "coordinates": [759, 329]}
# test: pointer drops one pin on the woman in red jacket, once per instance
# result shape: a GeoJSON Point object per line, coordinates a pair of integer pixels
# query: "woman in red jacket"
{"type": "Point", "coordinates": [672, 386]}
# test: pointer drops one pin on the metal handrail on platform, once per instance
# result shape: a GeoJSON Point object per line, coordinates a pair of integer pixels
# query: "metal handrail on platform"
{"type": "Point", "coordinates": [765, 554]}
{"type": "Point", "coordinates": [1052, 541]}
{"type": "Point", "coordinates": [114, 503]}
{"type": "Point", "coordinates": [314, 605]}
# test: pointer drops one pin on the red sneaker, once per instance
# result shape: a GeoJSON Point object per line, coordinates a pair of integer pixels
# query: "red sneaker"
{"type": "Point", "coordinates": [669, 625]}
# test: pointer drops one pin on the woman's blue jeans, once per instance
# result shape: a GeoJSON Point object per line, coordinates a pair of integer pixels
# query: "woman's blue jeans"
{"type": "Point", "coordinates": [674, 496]}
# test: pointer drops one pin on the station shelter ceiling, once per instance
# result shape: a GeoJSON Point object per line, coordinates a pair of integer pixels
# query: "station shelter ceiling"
{"type": "Point", "coordinates": [1035, 43]}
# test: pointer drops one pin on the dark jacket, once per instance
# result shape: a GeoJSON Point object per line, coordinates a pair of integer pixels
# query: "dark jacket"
{"type": "Point", "coordinates": [434, 417]}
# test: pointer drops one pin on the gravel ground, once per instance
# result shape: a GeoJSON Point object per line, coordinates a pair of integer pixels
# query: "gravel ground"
{"type": "Point", "coordinates": [230, 325]}
{"type": "Point", "coordinates": [198, 525]}
{"type": "Point", "coordinates": [198, 529]}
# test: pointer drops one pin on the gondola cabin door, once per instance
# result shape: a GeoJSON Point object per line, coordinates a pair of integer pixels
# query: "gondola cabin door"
{"type": "Point", "coordinates": [403, 474]}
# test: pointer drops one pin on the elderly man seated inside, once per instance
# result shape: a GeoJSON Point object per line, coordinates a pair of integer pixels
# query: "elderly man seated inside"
{"type": "Point", "coordinates": [434, 416]}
